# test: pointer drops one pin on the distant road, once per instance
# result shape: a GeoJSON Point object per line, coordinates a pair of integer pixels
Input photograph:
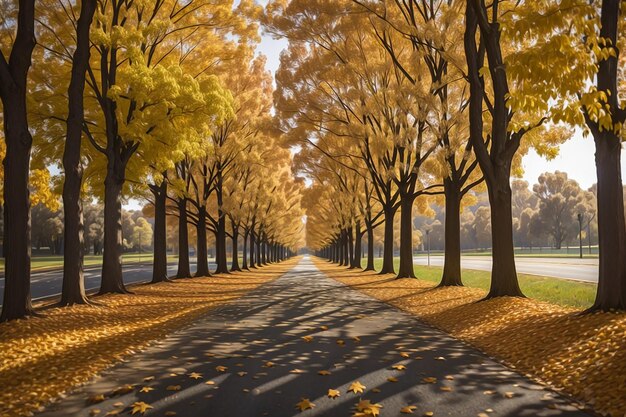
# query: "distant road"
{"type": "Point", "coordinates": [566, 268]}
{"type": "Point", "coordinates": [49, 283]}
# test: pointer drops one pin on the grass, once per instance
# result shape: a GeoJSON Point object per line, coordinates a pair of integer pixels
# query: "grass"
{"type": "Point", "coordinates": [572, 252]}
{"type": "Point", "coordinates": [552, 290]}
{"type": "Point", "coordinates": [50, 262]}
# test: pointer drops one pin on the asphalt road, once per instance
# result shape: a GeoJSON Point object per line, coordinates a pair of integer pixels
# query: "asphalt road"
{"type": "Point", "coordinates": [566, 268]}
{"type": "Point", "coordinates": [49, 283]}
{"type": "Point", "coordinates": [253, 357]}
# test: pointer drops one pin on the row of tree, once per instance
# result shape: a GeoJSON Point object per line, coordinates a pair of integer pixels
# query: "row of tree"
{"type": "Point", "coordinates": [390, 109]}
{"type": "Point", "coordinates": [157, 99]}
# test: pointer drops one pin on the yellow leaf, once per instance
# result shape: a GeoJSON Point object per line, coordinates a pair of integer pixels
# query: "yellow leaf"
{"type": "Point", "coordinates": [307, 338]}
{"type": "Point", "coordinates": [195, 375]}
{"type": "Point", "coordinates": [221, 368]}
{"type": "Point", "coordinates": [356, 387]}
{"type": "Point", "coordinates": [399, 367]}
{"type": "Point", "coordinates": [392, 379]}
{"type": "Point", "coordinates": [94, 399]}
{"type": "Point", "coordinates": [269, 364]}
{"type": "Point", "coordinates": [429, 380]}
{"type": "Point", "coordinates": [333, 393]}
{"type": "Point", "coordinates": [408, 409]}
{"type": "Point", "coordinates": [296, 371]}
{"type": "Point", "coordinates": [304, 404]}
{"type": "Point", "coordinates": [146, 389]}
{"type": "Point", "coordinates": [324, 373]}
{"type": "Point", "coordinates": [210, 383]}
{"type": "Point", "coordinates": [368, 408]}
{"type": "Point", "coordinates": [173, 388]}
{"type": "Point", "coordinates": [140, 407]}
{"type": "Point", "coordinates": [429, 414]}
{"type": "Point", "coordinates": [404, 354]}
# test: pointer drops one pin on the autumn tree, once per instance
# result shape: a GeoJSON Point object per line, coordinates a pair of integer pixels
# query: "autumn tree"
{"type": "Point", "coordinates": [18, 42]}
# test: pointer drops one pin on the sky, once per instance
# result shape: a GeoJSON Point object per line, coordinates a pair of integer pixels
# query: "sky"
{"type": "Point", "coordinates": [576, 156]}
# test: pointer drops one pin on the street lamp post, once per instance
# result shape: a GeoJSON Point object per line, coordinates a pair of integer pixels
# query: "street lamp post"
{"type": "Point", "coordinates": [580, 233]}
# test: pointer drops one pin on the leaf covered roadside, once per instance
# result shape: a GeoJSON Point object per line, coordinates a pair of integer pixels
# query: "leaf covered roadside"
{"type": "Point", "coordinates": [43, 358]}
{"type": "Point", "coordinates": [582, 355]}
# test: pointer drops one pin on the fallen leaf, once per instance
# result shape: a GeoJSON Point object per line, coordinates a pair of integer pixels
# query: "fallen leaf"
{"type": "Point", "coordinates": [488, 392]}
{"type": "Point", "coordinates": [446, 388]}
{"type": "Point", "coordinates": [341, 342]}
{"type": "Point", "coordinates": [408, 409]}
{"type": "Point", "coordinates": [296, 371]}
{"type": "Point", "coordinates": [356, 339]}
{"type": "Point", "coordinates": [429, 380]}
{"type": "Point", "coordinates": [146, 389]}
{"type": "Point", "coordinates": [324, 327]}
{"type": "Point", "coordinates": [173, 388]}
{"type": "Point", "coordinates": [148, 378]}
{"type": "Point", "coordinates": [94, 399]}
{"type": "Point", "coordinates": [118, 404]}
{"type": "Point", "coordinates": [333, 393]}
{"type": "Point", "coordinates": [307, 338]}
{"type": "Point", "coordinates": [404, 355]}
{"type": "Point", "coordinates": [509, 394]}
{"type": "Point", "coordinates": [269, 364]}
{"type": "Point", "coordinates": [123, 390]}
{"type": "Point", "coordinates": [440, 358]}
{"type": "Point", "coordinates": [356, 387]}
{"type": "Point", "coordinates": [376, 390]}
{"type": "Point", "coordinates": [113, 412]}
{"type": "Point", "coordinates": [392, 379]}
{"type": "Point", "coordinates": [221, 368]}
{"type": "Point", "coordinates": [399, 367]}
{"type": "Point", "coordinates": [140, 407]}
{"type": "Point", "coordinates": [368, 408]}
{"type": "Point", "coordinates": [324, 372]}
{"type": "Point", "coordinates": [429, 414]}
{"type": "Point", "coordinates": [304, 404]}
{"type": "Point", "coordinates": [94, 412]}
{"type": "Point", "coordinates": [195, 375]}
{"type": "Point", "coordinates": [210, 383]}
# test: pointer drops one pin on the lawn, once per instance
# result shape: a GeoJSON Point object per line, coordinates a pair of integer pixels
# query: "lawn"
{"type": "Point", "coordinates": [553, 290]}
{"type": "Point", "coordinates": [50, 262]}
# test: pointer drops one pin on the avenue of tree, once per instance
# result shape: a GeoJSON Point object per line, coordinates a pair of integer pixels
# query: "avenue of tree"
{"type": "Point", "coordinates": [385, 106]}
{"type": "Point", "coordinates": [162, 100]}
{"type": "Point", "coordinates": [396, 104]}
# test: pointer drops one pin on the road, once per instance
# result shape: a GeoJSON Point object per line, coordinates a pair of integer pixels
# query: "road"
{"type": "Point", "coordinates": [262, 354]}
{"type": "Point", "coordinates": [49, 283]}
{"type": "Point", "coordinates": [566, 268]}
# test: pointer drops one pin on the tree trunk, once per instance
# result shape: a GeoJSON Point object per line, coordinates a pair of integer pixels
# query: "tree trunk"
{"type": "Point", "coordinates": [17, 243]}
{"type": "Point", "coordinates": [406, 238]}
{"type": "Point", "coordinates": [183, 240]}
{"type": "Point", "coordinates": [252, 248]}
{"type": "Point", "coordinates": [370, 247]}
{"type": "Point", "coordinates": [452, 243]}
{"type": "Point", "coordinates": [503, 274]}
{"type": "Point", "coordinates": [387, 267]}
{"type": "Point", "coordinates": [73, 291]}
{"type": "Point", "coordinates": [258, 250]}
{"type": "Point", "coordinates": [358, 236]}
{"type": "Point", "coordinates": [159, 263]}
{"type": "Point", "coordinates": [263, 252]}
{"type": "Point", "coordinates": [244, 252]}
{"type": "Point", "coordinates": [611, 292]}
{"type": "Point", "coordinates": [234, 266]}
{"type": "Point", "coordinates": [220, 245]}
{"type": "Point", "coordinates": [202, 262]}
{"type": "Point", "coordinates": [112, 281]}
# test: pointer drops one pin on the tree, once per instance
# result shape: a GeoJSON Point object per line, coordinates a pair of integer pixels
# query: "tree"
{"type": "Point", "coordinates": [560, 201]}
{"type": "Point", "coordinates": [73, 290]}
{"type": "Point", "coordinates": [142, 234]}
{"type": "Point", "coordinates": [512, 37]}
{"type": "Point", "coordinates": [18, 141]}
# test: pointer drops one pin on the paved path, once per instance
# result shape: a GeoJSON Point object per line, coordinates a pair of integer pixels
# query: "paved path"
{"type": "Point", "coordinates": [566, 268]}
{"type": "Point", "coordinates": [268, 325]}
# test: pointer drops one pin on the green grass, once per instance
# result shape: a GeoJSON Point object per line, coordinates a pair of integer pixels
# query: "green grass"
{"type": "Point", "coordinates": [572, 252]}
{"type": "Point", "coordinates": [48, 262]}
{"type": "Point", "coordinates": [552, 290]}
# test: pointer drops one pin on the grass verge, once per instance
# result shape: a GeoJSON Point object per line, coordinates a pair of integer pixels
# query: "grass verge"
{"type": "Point", "coordinates": [582, 355]}
{"type": "Point", "coordinates": [552, 290]}
{"type": "Point", "coordinates": [44, 357]}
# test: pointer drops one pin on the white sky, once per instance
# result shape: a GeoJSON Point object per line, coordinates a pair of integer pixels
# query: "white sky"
{"type": "Point", "coordinates": [576, 156]}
